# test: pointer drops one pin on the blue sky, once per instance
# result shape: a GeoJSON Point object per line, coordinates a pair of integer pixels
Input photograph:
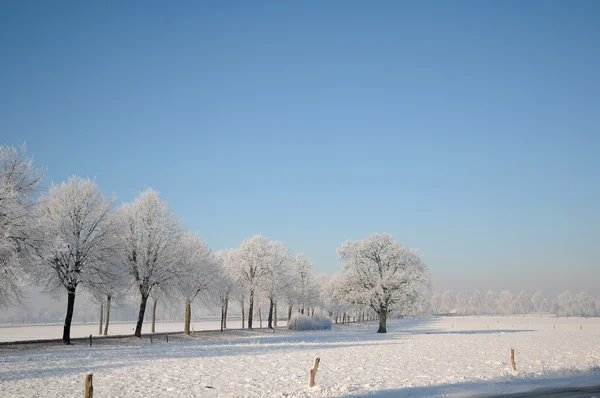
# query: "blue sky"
{"type": "Point", "coordinates": [469, 130]}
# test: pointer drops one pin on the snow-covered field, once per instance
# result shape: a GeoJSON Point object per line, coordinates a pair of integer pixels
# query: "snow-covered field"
{"type": "Point", "coordinates": [38, 332]}
{"type": "Point", "coordinates": [436, 356]}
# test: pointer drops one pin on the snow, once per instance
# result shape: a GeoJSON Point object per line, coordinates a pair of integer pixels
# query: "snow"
{"type": "Point", "coordinates": [417, 357]}
{"type": "Point", "coordinates": [303, 322]}
{"type": "Point", "coordinates": [37, 332]}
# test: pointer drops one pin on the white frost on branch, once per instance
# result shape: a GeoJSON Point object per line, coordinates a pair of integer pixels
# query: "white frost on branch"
{"type": "Point", "coordinates": [380, 273]}
{"type": "Point", "coordinates": [19, 182]}
{"type": "Point", "coordinates": [151, 235]}
{"type": "Point", "coordinates": [75, 241]}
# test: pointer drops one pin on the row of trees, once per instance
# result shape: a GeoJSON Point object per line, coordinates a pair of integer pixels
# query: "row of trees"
{"type": "Point", "coordinates": [379, 277]}
{"type": "Point", "coordinates": [506, 303]}
{"type": "Point", "coordinates": [72, 238]}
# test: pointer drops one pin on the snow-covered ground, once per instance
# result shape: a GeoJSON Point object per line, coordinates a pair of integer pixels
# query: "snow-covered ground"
{"type": "Point", "coordinates": [428, 357]}
{"type": "Point", "coordinates": [38, 332]}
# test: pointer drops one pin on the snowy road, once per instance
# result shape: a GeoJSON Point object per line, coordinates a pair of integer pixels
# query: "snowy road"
{"type": "Point", "coordinates": [570, 392]}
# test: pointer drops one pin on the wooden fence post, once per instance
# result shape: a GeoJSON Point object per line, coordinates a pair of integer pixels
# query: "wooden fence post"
{"type": "Point", "coordinates": [167, 337]}
{"type": "Point", "coordinates": [90, 340]}
{"type": "Point", "coordinates": [89, 388]}
{"type": "Point", "coordinates": [512, 359]}
{"type": "Point", "coordinates": [313, 372]}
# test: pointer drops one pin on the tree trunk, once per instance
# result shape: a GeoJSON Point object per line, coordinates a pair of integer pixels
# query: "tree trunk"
{"type": "Point", "coordinates": [69, 317]}
{"type": "Point", "coordinates": [250, 309]}
{"type": "Point", "coordinates": [274, 314]}
{"type": "Point", "coordinates": [108, 298]}
{"type": "Point", "coordinates": [154, 316]}
{"type": "Point", "coordinates": [289, 313]}
{"type": "Point", "coordinates": [222, 315]}
{"type": "Point", "coordinates": [312, 313]}
{"type": "Point", "coordinates": [188, 316]}
{"type": "Point", "coordinates": [260, 317]}
{"type": "Point", "coordinates": [140, 321]}
{"type": "Point", "coordinates": [243, 314]}
{"type": "Point", "coordinates": [101, 319]}
{"type": "Point", "coordinates": [382, 321]}
{"type": "Point", "coordinates": [225, 314]}
{"type": "Point", "coordinates": [270, 319]}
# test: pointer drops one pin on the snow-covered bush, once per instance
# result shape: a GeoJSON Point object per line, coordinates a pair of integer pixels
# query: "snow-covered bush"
{"type": "Point", "coordinates": [303, 322]}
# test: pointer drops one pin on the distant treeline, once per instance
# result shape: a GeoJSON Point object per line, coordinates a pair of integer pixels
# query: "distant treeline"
{"type": "Point", "coordinates": [506, 303]}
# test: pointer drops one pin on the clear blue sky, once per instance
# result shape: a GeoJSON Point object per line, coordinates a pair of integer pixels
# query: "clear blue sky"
{"type": "Point", "coordinates": [469, 130]}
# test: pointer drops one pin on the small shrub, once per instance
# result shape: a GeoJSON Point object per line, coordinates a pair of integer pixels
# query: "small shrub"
{"type": "Point", "coordinates": [303, 322]}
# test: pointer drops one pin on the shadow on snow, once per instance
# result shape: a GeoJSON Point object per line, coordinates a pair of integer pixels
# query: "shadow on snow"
{"type": "Point", "coordinates": [215, 344]}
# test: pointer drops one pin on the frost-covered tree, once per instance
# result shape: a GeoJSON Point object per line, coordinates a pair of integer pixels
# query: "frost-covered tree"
{"type": "Point", "coordinates": [113, 293]}
{"type": "Point", "coordinates": [278, 278]}
{"type": "Point", "coordinates": [199, 272]}
{"type": "Point", "coordinates": [298, 283]}
{"type": "Point", "coordinates": [522, 301]}
{"type": "Point", "coordinates": [224, 285]}
{"type": "Point", "coordinates": [333, 297]}
{"type": "Point", "coordinates": [157, 295]}
{"type": "Point", "coordinates": [252, 268]}
{"type": "Point", "coordinates": [506, 302]}
{"type": "Point", "coordinates": [114, 290]}
{"type": "Point", "coordinates": [304, 280]}
{"type": "Point", "coordinates": [476, 303]}
{"type": "Point", "coordinates": [564, 303]}
{"type": "Point", "coordinates": [436, 303]}
{"type": "Point", "coordinates": [290, 294]}
{"type": "Point", "coordinates": [462, 302]}
{"type": "Point", "coordinates": [151, 234]}
{"type": "Point", "coordinates": [19, 182]}
{"type": "Point", "coordinates": [491, 303]}
{"type": "Point", "coordinates": [75, 241]}
{"type": "Point", "coordinates": [324, 300]}
{"type": "Point", "coordinates": [447, 301]}
{"type": "Point", "coordinates": [380, 273]}
{"type": "Point", "coordinates": [540, 303]}
{"type": "Point", "coordinates": [585, 304]}
{"type": "Point", "coordinates": [554, 308]}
